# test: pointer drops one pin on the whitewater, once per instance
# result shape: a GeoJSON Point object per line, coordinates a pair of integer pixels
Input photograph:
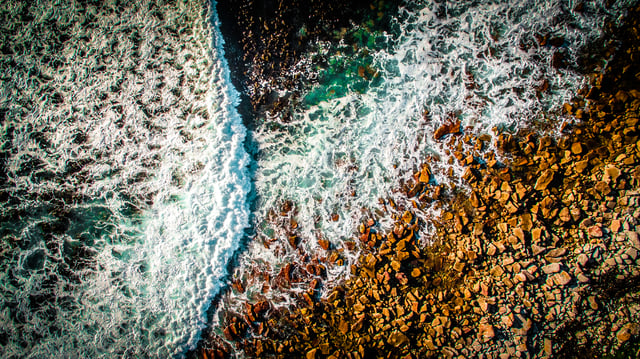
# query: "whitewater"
{"type": "Point", "coordinates": [126, 185]}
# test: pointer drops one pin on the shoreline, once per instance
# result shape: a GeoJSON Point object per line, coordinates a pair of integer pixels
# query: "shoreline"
{"type": "Point", "coordinates": [532, 263]}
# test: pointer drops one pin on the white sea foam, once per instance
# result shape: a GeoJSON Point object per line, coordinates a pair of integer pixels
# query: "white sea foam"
{"type": "Point", "coordinates": [158, 198]}
{"type": "Point", "coordinates": [366, 141]}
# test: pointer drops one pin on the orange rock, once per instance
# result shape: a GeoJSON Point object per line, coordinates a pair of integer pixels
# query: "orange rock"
{"type": "Point", "coordinates": [324, 244]}
{"type": "Point", "coordinates": [447, 128]}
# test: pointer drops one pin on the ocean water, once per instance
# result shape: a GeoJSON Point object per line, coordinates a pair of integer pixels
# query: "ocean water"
{"type": "Point", "coordinates": [125, 190]}
{"type": "Point", "coordinates": [124, 180]}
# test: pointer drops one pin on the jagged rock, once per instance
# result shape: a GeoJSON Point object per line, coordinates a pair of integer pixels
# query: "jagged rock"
{"type": "Point", "coordinates": [449, 127]}
{"type": "Point", "coordinates": [563, 278]}
{"type": "Point", "coordinates": [311, 354]}
{"type": "Point", "coordinates": [551, 268]}
{"type": "Point", "coordinates": [557, 253]}
{"type": "Point", "coordinates": [486, 332]}
{"type": "Point", "coordinates": [582, 259]}
{"type": "Point", "coordinates": [595, 231]}
{"type": "Point", "coordinates": [398, 339]}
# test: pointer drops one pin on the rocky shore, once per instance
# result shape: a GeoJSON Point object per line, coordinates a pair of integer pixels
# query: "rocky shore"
{"type": "Point", "coordinates": [536, 256]}
{"type": "Point", "coordinates": [268, 38]}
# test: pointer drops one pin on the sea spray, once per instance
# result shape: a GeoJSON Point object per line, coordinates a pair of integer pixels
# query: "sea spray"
{"type": "Point", "coordinates": [367, 121]}
{"type": "Point", "coordinates": [125, 183]}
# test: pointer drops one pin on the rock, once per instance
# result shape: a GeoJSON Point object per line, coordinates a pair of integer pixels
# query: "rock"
{"type": "Point", "coordinates": [507, 320]}
{"type": "Point", "coordinates": [491, 250]}
{"type": "Point", "coordinates": [563, 278]}
{"type": "Point", "coordinates": [576, 148]}
{"type": "Point", "coordinates": [536, 249]}
{"type": "Point", "coordinates": [497, 271]}
{"type": "Point", "coordinates": [611, 174]}
{"type": "Point", "coordinates": [564, 214]}
{"type": "Point", "coordinates": [311, 354]}
{"type": "Point", "coordinates": [616, 224]}
{"type": "Point", "coordinates": [548, 346]}
{"type": "Point", "coordinates": [474, 200]}
{"type": "Point", "coordinates": [581, 166]}
{"type": "Point", "coordinates": [449, 127]}
{"type": "Point", "coordinates": [343, 327]}
{"type": "Point", "coordinates": [398, 339]}
{"type": "Point", "coordinates": [592, 302]}
{"type": "Point", "coordinates": [407, 217]}
{"type": "Point", "coordinates": [324, 244]}
{"type": "Point", "coordinates": [551, 268]}
{"type": "Point", "coordinates": [582, 259]}
{"type": "Point", "coordinates": [557, 253]}
{"type": "Point", "coordinates": [544, 179]}
{"type": "Point", "coordinates": [595, 231]}
{"type": "Point", "coordinates": [425, 174]}
{"type": "Point", "coordinates": [623, 335]}
{"type": "Point", "coordinates": [486, 332]}
{"type": "Point", "coordinates": [536, 234]}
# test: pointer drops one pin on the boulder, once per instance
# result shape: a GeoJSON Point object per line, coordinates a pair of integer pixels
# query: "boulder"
{"type": "Point", "coordinates": [449, 127]}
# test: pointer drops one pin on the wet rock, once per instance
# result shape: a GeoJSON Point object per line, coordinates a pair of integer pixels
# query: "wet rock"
{"type": "Point", "coordinates": [324, 244]}
{"type": "Point", "coordinates": [425, 174]}
{"type": "Point", "coordinates": [449, 127]}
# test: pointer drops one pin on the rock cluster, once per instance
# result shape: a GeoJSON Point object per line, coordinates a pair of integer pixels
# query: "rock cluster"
{"type": "Point", "coordinates": [537, 257]}
{"type": "Point", "coordinates": [272, 35]}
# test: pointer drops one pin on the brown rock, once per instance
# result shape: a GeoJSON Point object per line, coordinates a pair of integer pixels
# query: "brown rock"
{"type": "Point", "coordinates": [595, 231]}
{"type": "Point", "coordinates": [548, 346]}
{"type": "Point", "coordinates": [425, 174]}
{"type": "Point", "coordinates": [343, 327]}
{"type": "Point", "coordinates": [616, 224]}
{"type": "Point", "coordinates": [536, 233]}
{"type": "Point", "coordinates": [311, 354]}
{"type": "Point", "coordinates": [611, 174]}
{"type": "Point", "coordinates": [557, 252]}
{"type": "Point", "coordinates": [563, 278]}
{"type": "Point", "coordinates": [564, 214]}
{"type": "Point", "coordinates": [581, 166]}
{"type": "Point", "coordinates": [536, 249]}
{"type": "Point", "coordinates": [491, 250]}
{"type": "Point", "coordinates": [576, 148]}
{"type": "Point", "coordinates": [623, 335]}
{"type": "Point", "coordinates": [398, 339]}
{"type": "Point", "coordinates": [486, 332]}
{"type": "Point", "coordinates": [407, 217]}
{"type": "Point", "coordinates": [551, 268]}
{"type": "Point", "coordinates": [449, 127]}
{"type": "Point", "coordinates": [582, 259]}
{"type": "Point", "coordinates": [324, 244]}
